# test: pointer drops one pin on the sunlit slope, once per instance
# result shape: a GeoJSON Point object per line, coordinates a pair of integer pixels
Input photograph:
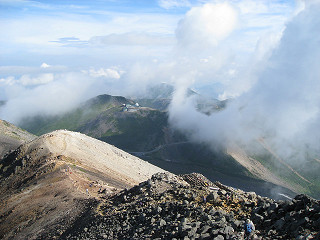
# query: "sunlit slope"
{"type": "Point", "coordinates": [47, 183]}
{"type": "Point", "coordinates": [84, 151]}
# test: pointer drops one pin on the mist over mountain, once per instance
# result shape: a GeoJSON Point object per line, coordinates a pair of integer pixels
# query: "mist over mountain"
{"type": "Point", "coordinates": [282, 105]}
{"type": "Point", "coordinates": [123, 101]}
{"type": "Point", "coordinates": [278, 112]}
{"type": "Point", "coordinates": [159, 96]}
{"type": "Point", "coordinates": [273, 111]}
{"type": "Point", "coordinates": [265, 76]}
{"type": "Point", "coordinates": [146, 133]}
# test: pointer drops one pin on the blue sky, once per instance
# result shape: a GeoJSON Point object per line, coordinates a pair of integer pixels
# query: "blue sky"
{"type": "Point", "coordinates": [32, 29]}
{"type": "Point", "coordinates": [120, 47]}
{"type": "Point", "coordinates": [37, 31]}
{"type": "Point", "coordinates": [263, 54]}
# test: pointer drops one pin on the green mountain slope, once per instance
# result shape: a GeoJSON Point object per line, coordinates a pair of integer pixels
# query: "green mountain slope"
{"type": "Point", "coordinates": [303, 175]}
{"type": "Point", "coordinates": [12, 137]}
{"type": "Point", "coordinates": [76, 118]}
{"type": "Point", "coordinates": [159, 97]}
{"type": "Point", "coordinates": [146, 133]}
{"type": "Point", "coordinates": [143, 129]}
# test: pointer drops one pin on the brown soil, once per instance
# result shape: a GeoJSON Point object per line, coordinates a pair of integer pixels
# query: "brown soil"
{"type": "Point", "coordinates": [47, 183]}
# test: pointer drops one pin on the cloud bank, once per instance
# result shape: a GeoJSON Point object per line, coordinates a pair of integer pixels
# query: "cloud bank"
{"type": "Point", "coordinates": [206, 25]}
{"type": "Point", "coordinates": [132, 39]}
{"type": "Point", "coordinates": [167, 4]}
{"type": "Point", "coordinates": [56, 92]}
{"type": "Point", "coordinates": [283, 104]}
{"type": "Point", "coordinates": [245, 50]}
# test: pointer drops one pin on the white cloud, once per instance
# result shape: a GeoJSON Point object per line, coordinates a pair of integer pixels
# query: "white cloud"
{"type": "Point", "coordinates": [22, 70]}
{"type": "Point", "coordinates": [108, 73]}
{"type": "Point", "coordinates": [167, 4]}
{"type": "Point", "coordinates": [143, 39]}
{"type": "Point", "coordinates": [66, 91]}
{"type": "Point", "coordinates": [62, 37]}
{"type": "Point", "coordinates": [217, 47]}
{"type": "Point", "coordinates": [44, 65]}
{"type": "Point", "coordinates": [28, 80]}
{"type": "Point", "coordinates": [206, 25]}
{"type": "Point", "coordinates": [281, 105]}
{"type": "Point", "coordinates": [7, 81]}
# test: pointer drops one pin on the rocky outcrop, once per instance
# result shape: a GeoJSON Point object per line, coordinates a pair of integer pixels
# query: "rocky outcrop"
{"type": "Point", "coordinates": [168, 207]}
{"type": "Point", "coordinates": [297, 218]}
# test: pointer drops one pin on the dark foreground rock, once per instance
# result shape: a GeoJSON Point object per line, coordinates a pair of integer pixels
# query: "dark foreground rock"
{"type": "Point", "coordinates": [191, 207]}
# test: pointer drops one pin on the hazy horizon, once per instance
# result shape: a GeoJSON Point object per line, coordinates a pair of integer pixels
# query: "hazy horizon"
{"type": "Point", "coordinates": [263, 54]}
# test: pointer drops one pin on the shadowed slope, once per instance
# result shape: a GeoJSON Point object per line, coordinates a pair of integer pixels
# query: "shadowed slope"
{"type": "Point", "coordinates": [12, 137]}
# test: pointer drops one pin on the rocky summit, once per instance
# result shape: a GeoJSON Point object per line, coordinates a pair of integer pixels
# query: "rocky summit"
{"type": "Point", "coordinates": [66, 185]}
{"type": "Point", "coordinates": [168, 206]}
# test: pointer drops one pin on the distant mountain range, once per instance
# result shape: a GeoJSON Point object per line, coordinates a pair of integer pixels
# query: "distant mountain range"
{"type": "Point", "coordinates": [141, 127]}
{"type": "Point", "coordinates": [116, 120]}
{"type": "Point", "coordinates": [67, 185]}
{"type": "Point", "coordinates": [146, 133]}
{"type": "Point", "coordinates": [159, 97]}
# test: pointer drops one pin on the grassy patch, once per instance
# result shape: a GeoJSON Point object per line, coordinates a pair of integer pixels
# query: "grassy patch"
{"type": "Point", "coordinates": [310, 172]}
{"type": "Point", "coordinates": [74, 119]}
{"type": "Point", "coordinates": [82, 170]}
{"type": "Point", "coordinates": [140, 131]}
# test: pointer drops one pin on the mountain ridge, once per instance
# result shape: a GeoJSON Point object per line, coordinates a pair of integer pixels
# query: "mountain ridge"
{"type": "Point", "coordinates": [145, 130]}
{"type": "Point", "coordinates": [43, 181]}
{"type": "Point", "coordinates": [66, 185]}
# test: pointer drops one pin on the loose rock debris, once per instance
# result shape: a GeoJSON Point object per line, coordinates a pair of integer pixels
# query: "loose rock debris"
{"type": "Point", "coordinates": [185, 207]}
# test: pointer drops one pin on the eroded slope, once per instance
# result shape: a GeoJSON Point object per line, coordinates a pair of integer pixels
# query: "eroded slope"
{"type": "Point", "coordinates": [48, 183]}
